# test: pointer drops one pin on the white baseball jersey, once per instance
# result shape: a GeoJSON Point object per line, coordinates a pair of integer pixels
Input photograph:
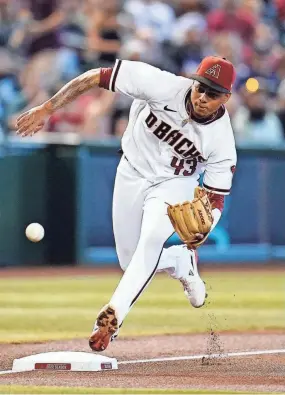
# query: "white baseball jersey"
{"type": "Point", "coordinates": [160, 141]}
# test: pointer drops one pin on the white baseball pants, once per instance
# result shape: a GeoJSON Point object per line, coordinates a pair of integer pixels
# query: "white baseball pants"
{"type": "Point", "coordinates": [141, 227]}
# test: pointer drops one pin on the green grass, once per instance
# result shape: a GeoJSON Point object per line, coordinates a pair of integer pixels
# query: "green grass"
{"type": "Point", "coordinates": [39, 309]}
{"type": "Point", "coordinates": [20, 389]}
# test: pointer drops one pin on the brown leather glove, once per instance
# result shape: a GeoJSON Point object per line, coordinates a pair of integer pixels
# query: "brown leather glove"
{"type": "Point", "coordinates": [192, 218]}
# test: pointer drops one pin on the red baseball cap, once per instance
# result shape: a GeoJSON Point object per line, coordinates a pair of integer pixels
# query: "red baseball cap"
{"type": "Point", "coordinates": [216, 72]}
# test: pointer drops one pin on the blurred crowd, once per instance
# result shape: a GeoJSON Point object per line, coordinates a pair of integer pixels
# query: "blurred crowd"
{"type": "Point", "coordinates": [45, 43]}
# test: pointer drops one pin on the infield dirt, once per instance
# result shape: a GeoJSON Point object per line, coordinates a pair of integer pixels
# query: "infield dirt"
{"type": "Point", "coordinates": [263, 373]}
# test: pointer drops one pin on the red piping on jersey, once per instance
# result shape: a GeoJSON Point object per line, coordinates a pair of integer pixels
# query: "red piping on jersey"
{"type": "Point", "coordinates": [217, 201]}
{"type": "Point", "coordinates": [105, 77]}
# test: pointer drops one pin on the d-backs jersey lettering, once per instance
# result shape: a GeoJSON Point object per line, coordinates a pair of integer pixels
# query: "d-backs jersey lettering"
{"type": "Point", "coordinates": [160, 141]}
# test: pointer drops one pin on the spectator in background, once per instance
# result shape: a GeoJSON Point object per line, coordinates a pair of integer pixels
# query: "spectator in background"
{"type": "Point", "coordinates": [280, 19]}
{"type": "Point", "coordinates": [155, 15]}
{"type": "Point", "coordinates": [281, 105]}
{"type": "Point", "coordinates": [189, 37]}
{"type": "Point", "coordinates": [45, 43]}
{"type": "Point", "coordinates": [230, 17]}
{"type": "Point", "coordinates": [9, 88]}
{"type": "Point", "coordinates": [7, 21]}
{"type": "Point", "coordinates": [233, 104]}
{"type": "Point", "coordinates": [279, 67]}
{"type": "Point", "coordinates": [229, 45]}
{"type": "Point", "coordinates": [144, 47]}
{"type": "Point", "coordinates": [253, 8]}
{"type": "Point", "coordinates": [255, 122]}
{"type": "Point", "coordinates": [97, 120]}
{"type": "Point", "coordinates": [120, 123]}
{"type": "Point", "coordinates": [72, 39]}
{"type": "Point", "coordinates": [260, 65]}
{"type": "Point", "coordinates": [9, 65]}
{"type": "Point", "coordinates": [103, 32]}
{"type": "Point", "coordinates": [38, 36]}
{"type": "Point", "coordinates": [200, 6]}
{"type": "Point", "coordinates": [153, 22]}
{"type": "Point", "coordinates": [43, 19]}
{"type": "Point", "coordinates": [280, 7]}
{"type": "Point", "coordinates": [72, 32]}
{"type": "Point", "coordinates": [266, 39]}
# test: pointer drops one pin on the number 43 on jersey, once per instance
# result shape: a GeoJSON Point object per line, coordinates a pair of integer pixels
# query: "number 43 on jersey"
{"type": "Point", "coordinates": [185, 167]}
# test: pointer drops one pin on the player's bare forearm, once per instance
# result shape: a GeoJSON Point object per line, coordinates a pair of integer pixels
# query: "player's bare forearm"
{"type": "Point", "coordinates": [73, 89]}
{"type": "Point", "coordinates": [32, 121]}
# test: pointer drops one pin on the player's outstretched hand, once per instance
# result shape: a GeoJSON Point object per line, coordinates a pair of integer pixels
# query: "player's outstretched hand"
{"type": "Point", "coordinates": [199, 236]}
{"type": "Point", "coordinates": [31, 121]}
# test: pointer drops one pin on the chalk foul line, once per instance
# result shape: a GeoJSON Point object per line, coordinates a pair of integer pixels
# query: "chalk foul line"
{"type": "Point", "coordinates": [193, 357]}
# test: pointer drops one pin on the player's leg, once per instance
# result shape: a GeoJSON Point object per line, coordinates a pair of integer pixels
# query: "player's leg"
{"type": "Point", "coordinates": [156, 229]}
{"type": "Point", "coordinates": [129, 194]}
{"type": "Point", "coordinates": [184, 267]}
{"type": "Point", "coordinates": [178, 261]}
{"type": "Point", "coordinates": [128, 200]}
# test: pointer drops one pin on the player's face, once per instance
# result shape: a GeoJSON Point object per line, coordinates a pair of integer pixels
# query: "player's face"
{"type": "Point", "coordinates": [206, 101]}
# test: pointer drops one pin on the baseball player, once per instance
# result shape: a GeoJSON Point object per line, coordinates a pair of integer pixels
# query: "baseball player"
{"type": "Point", "coordinates": [178, 129]}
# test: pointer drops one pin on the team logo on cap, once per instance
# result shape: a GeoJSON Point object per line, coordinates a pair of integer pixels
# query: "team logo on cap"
{"type": "Point", "coordinates": [214, 71]}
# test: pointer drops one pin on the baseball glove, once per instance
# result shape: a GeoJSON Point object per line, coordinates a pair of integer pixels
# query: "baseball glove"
{"type": "Point", "coordinates": [190, 218]}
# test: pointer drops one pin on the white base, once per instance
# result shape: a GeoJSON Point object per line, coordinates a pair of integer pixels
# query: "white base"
{"type": "Point", "coordinates": [65, 361]}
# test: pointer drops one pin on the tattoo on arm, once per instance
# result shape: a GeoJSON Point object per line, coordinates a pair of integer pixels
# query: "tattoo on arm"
{"type": "Point", "coordinates": [73, 89]}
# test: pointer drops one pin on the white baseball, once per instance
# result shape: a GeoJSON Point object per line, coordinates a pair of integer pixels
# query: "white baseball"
{"type": "Point", "coordinates": [35, 232]}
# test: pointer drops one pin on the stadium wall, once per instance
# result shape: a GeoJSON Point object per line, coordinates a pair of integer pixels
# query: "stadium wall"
{"type": "Point", "coordinates": [68, 189]}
